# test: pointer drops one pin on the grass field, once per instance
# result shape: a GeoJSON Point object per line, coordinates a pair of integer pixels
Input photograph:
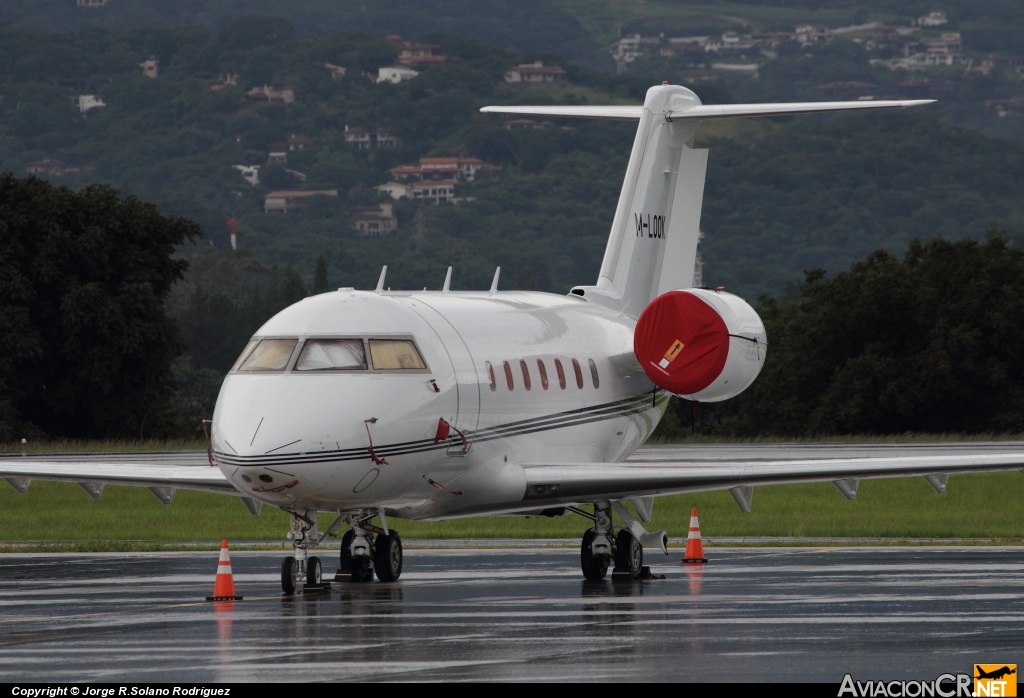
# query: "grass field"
{"type": "Point", "coordinates": [982, 506]}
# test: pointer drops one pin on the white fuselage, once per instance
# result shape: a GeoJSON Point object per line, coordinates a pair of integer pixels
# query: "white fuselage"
{"type": "Point", "coordinates": [302, 439]}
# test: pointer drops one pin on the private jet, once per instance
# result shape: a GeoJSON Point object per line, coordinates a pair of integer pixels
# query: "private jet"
{"type": "Point", "coordinates": [375, 405]}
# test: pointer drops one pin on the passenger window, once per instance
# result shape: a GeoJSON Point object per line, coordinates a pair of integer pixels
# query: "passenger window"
{"type": "Point", "coordinates": [579, 373]}
{"type": "Point", "coordinates": [245, 353]}
{"type": "Point", "coordinates": [543, 374]}
{"type": "Point", "coordinates": [269, 355]}
{"type": "Point", "coordinates": [388, 354]}
{"type": "Point", "coordinates": [331, 354]}
{"type": "Point", "coordinates": [526, 374]}
{"type": "Point", "coordinates": [490, 375]}
{"type": "Point", "coordinates": [508, 376]}
{"type": "Point", "coordinates": [593, 373]}
{"type": "Point", "coordinates": [561, 374]}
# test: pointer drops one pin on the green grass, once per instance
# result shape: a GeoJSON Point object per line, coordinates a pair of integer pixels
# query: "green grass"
{"type": "Point", "coordinates": [985, 505]}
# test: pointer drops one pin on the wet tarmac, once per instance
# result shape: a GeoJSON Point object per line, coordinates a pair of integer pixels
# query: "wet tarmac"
{"type": "Point", "coordinates": [749, 615]}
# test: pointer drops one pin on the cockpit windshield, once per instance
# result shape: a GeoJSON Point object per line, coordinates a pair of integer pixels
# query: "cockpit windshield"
{"type": "Point", "coordinates": [331, 354]}
{"type": "Point", "coordinates": [269, 355]}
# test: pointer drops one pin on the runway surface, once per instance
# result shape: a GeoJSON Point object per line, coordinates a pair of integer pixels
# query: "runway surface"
{"type": "Point", "coordinates": [769, 614]}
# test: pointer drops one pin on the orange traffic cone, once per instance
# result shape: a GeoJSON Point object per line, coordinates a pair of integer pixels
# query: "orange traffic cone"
{"type": "Point", "coordinates": [694, 547]}
{"type": "Point", "coordinates": [224, 586]}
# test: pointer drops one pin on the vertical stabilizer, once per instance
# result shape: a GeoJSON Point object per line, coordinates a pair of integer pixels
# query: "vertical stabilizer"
{"type": "Point", "coordinates": [653, 242]}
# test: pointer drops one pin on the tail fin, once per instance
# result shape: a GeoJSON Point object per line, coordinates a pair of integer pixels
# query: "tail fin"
{"type": "Point", "coordinates": [652, 246]}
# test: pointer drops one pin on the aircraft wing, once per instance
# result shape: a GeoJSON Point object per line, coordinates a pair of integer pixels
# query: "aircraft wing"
{"type": "Point", "coordinates": [661, 470]}
{"type": "Point", "coordinates": [161, 471]}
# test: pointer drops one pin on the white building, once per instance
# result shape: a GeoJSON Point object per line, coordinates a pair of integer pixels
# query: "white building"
{"type": "Point", "coordinates": [86, 102]}
{"type": "Point", "coordinates": [395, 74]}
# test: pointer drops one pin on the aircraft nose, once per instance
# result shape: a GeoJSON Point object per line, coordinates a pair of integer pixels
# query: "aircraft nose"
{"type": "Point", "coordinates": [256, 416]}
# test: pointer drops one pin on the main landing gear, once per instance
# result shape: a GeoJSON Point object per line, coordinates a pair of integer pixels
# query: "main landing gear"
{"type": "Point", "coordinates": [601, 547]}
{"type": "Point", "coordinates": [365, 549]}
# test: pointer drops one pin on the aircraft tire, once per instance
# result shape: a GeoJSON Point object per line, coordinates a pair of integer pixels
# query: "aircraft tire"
{"type": "Point", "coordinates": [387, 556]}
{"type": "Point", "coordinates": [629, 555]}
{"type": "Point", "coordinates": [288, 575]}
{"type": "Point", "coordinates": [314, 572]}
{"type": "Point", "coordinates": [345, 559]}
{"type": "Point", "coordinates": [594, 567]}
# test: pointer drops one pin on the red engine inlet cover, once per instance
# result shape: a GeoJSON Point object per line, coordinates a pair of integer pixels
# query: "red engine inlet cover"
{"type": "Point", "coordinates": [681, 342]}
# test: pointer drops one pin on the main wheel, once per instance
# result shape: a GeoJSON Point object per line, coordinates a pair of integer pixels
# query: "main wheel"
{"type": "Point", "coordinates": [387, 556]}
{"type": "Point", "coordinates": [288, 575]}
{"type": "Point", "coordinates": [629, 554]}
{"type": "Point", "coordinates": [594, 567]}
{"type": "Point", "coordinates": [314, 572]}
{"type": "Point", "coordinates": [345, 561]}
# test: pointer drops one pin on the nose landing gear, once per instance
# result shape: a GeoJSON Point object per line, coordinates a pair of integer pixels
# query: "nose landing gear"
{"type": "Point", "coordinates": [301, 567]}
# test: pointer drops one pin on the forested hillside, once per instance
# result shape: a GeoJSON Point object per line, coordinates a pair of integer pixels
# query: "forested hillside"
{"type": "Point", "coordinates": [237, 108]}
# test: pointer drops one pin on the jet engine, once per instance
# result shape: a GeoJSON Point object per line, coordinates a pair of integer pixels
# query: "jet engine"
{"type": "Point", "coordinates": [700, 344]}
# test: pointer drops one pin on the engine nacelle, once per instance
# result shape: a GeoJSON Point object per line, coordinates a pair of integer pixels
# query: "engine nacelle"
{"type": "Point", "coordinates": [700, 344]}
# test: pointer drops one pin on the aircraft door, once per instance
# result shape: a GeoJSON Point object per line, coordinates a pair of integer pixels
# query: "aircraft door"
{"type": "Point", "coordinates": [467, 416]}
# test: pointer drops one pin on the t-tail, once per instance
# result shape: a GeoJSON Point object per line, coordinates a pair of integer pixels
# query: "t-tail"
{"type": "Point", "coordinates": [652, 246]}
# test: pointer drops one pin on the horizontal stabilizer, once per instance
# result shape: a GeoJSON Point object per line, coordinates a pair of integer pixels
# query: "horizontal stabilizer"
{"type": "Point", "coordinates": [729, 111]}
{"type": "Point", "coordinates": [613, 113]}
{"type": "Point", "coordinates": [704, 111]}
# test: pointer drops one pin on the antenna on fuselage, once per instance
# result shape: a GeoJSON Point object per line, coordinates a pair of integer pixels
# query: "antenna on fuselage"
{"type": "Point", "coordinates": [447, 281]}
{"type": "Point", "coordinates": [380, 281]}
{"type": "Point", "coordinates": [494, 283]}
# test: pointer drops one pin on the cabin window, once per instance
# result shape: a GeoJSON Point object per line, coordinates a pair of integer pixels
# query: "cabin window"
{"type": "Point", "coordinates": [526, 374]}
{"type": "Point", "coordinates": [269, 355]}
{"type": "Point", "coordinates": [579, 373]}
{"type": "Point", "coordinates": [490, 375]}
{"type": "Point", "coordinates": [508, 376]}
{"type": "Point", "coordinates": [388, 354]}
{"type": "Point", "coordinates": [543, 374]}
{"type": "Point", "coordinates": [245, 353]}
{"type": "Point", "coordinates": [593, 373]}
{"type": "Point", "coordinates": [331, 355]}
{"type": "Point", "coordinates": [561, 374]}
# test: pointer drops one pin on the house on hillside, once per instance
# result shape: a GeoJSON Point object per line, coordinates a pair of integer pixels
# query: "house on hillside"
{"type": "Point", "coordinates": [292, 200]}
{"type": "Point", "coordinates": [935, 18]}
{"type": "Point", "coordinates": [536, 74]}
{"type": "Point", "coordinates": [395, 74]}
{"type": "Point", "coordinates": [419, 54]}
{"type": "Point", "coordinates": [337, 71]}
{"type": "Point", "coordinates": [86, 102]}
{"type": "Point", "coordinates": [396, 190]}
{"type": "Point", "coordinates": [365, 139]}
{"type": "Point", "coordinates": [150, 68]}
{"type": "Point", "coordinates": [374, 221]}
{"type": "Point", "coordinates": [440, 168]}
{"type": "Point", "coordinates": [434, 191]}
{"type": "Point", "coordinates": [285, 95]}
{"type": "Point", "coordinates": [297, 143]}
{"type": "Point", "coordinates": [277, 153]}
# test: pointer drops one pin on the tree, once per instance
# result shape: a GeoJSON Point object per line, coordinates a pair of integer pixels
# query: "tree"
{"type": "Point", "coordinates": [320, 276]}
{"type": "Point", "coordinates": [931, 344]}
{"type": "Point", "coordinates": [85, 345]}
